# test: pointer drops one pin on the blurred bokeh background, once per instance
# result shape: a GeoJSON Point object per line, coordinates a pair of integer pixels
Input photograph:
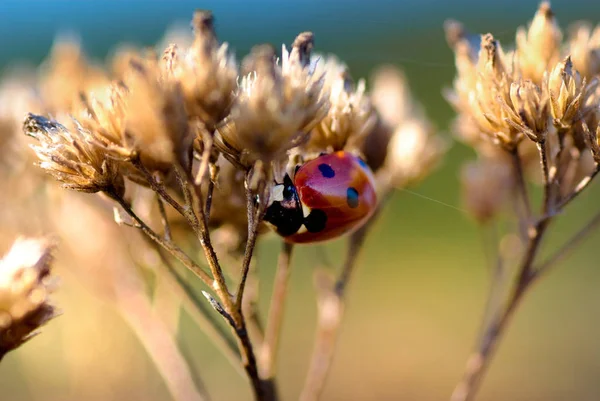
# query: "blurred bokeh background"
{"type": "Point", "coordinates": [416, 301]}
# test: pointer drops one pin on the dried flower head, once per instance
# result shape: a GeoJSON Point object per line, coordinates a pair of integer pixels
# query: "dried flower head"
{"type": "Point", "coordinates": [24, 290]}
{"type": "Point", "coordinates": [155, 118]}
{"type": "Point", "coordinates": [486, 185]}
{"type": "Point", "coordinates": [528, 110]}
{"type": "Point", "coordinates": [275, 108]}
{"type": "Point", "coordinates": [394, 105]}
{"type": "Point", "coordinates": [207, 72]}
{"type": "Point", "coordinates": [72, 157]}
{"type": "Point", "coordinates": [351, 116]}
{"type": "Point", "coordinates": [413, 152]}
{"type": "Point", "coordinates": [538, 47]}
{"type": "Point", "coordinates": [65, 75]}
{"type": "Point", "coordinates": [584, 48]}
{"type": "Point", "coordinates": [568, 93]}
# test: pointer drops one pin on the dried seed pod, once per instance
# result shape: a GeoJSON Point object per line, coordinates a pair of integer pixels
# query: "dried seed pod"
{"type": "Point", "coordinates": [275, 108]}
{"type": "Point", "coordinates": [538, 47]}
{"type": "Point", "coordinates": [351, 116]}
{"type": "Point", "coordinates": [72, 157]}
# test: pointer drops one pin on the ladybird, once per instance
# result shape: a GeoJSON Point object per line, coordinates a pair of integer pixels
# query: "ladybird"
{"type": "Point", "coordinates": [329, 196]}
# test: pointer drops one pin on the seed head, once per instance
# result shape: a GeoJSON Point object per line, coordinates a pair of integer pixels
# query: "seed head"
{"type": "Point", "coordinates": [275, 108]}
{"type": "Point", "coordinates": [351, 116]}
{"type": "Point", "coordinates": [414, 151]}
{"type": "Point", "coordinates": [486, 185]}
{"type": "Point", "coordinates": [206, 71]}
{"type": "Point", "coordinates": [72, 157]}
{"type": "Point", "coordinates": [539, 47]}
{"type": "Point", "coordinates": [584, 48]}
{"type": "Point", "coordinates": [567, 92]}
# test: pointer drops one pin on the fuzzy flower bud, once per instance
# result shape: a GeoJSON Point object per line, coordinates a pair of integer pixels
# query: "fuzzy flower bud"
{"type": "Point", "coordinates": [24, 290]}
{"type": "Point", "coordinates": [72, 157]}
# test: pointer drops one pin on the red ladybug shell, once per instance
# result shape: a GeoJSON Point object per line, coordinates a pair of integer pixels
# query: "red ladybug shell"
{"type": "Point", "coordinates": [337, 193]}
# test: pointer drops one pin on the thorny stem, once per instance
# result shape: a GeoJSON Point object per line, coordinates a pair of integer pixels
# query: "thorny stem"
{"type": "Point", "coordinates": [479, 362]}
{"type": "Point", "coordinates": [331, 313]}
{"type": "Point", "coordinates": [166, 244]}
{"type": "Point", "coordinates": [270, 346]}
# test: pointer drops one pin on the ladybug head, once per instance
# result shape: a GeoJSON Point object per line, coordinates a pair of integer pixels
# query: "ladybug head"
{"type": "Point", "coordinates": [285, 210]}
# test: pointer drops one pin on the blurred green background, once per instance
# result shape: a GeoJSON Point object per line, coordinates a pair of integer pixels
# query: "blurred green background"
{"type": "Point", "coordinates": [417, 298]}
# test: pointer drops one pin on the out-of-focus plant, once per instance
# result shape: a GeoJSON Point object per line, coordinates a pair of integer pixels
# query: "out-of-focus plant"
{"type": "Point", "coordinates": [531, 113]}
{"type": "Point", "coordinates": [25, 286]}
{"type": "Point", "coordinates": [186, 147]}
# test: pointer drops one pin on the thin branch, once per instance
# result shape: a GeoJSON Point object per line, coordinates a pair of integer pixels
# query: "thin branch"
{"type": "Point", "coordinates": [254, 213]}
{"type": "Point", "coordinates": [167, 245]}
{"type": "Point", "coordinates": [569, 246]}
{"type": "Point", "coordinates": [233, 315]}
{"type": "Point", "coordinates": [163, 218]}
{"type": "Point", "coordinates": [547, 180]}
{"type": "Point", "coordinates": [157, 186]}
{"type": "Point", "coordinates": [270, 346]}
{"type": "Point", "coordinates": [579, 188]}
{"type": "Point", "coordinates": [480, 360]}
{"type": "Point", "coordinates": [199, 313]}
{"type": "Point", "coordinates": [521, 184]}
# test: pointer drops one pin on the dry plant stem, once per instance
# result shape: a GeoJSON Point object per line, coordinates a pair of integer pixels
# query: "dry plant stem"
{"type": "Point", "coordinates": [270, 346]}
{"type": "Point", "coordinates": [331, 313]}
{"type": "Point", "coordinates": [583, 184]}
{"type": "Point", "coordinates": [253, 222]}
{"type": "Point", "coordinates": [158, 342]}
{"type": "Point", "coordinates": [521, 184]}
{"type": "Point", "coordinates": [569, 246]}
{"type": "Point", "coordinates": [167, 245]}
{"type": "Point", "coordinates": [547, 180]}
{"type": "Point", "coordinates": [207, 140]}
{"type": "Point", "coordinates": [158, 187]}
{"type": "Point", "coordinates": [163, 218]}
{"type": "Point", "coordinates": [201, 315]}
{"type": "Point", "coordinates": [527, 274]}
{"type": "Point", "coordinates": [229, 311]}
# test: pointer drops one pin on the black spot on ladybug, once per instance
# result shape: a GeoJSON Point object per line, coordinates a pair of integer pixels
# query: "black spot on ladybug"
{"type": "Point", "coordinates": [315, 221]}
{"type": "Point", "coordinates": [352, 197]}
{"type": "Point", "coordinates": [326, 170]}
